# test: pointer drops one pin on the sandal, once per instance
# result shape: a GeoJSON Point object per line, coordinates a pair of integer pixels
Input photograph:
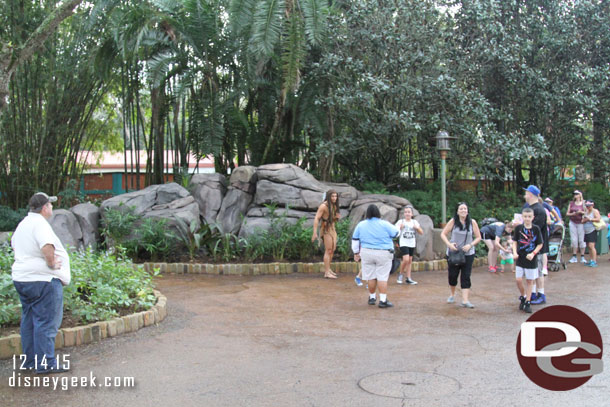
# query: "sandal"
{"type": "Point", "coordinates": [330, 276]}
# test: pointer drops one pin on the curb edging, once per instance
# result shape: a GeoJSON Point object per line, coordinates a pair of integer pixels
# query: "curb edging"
{"type": "Point", "coordinates": [95, 332]}
{"type": "Point", "coordinates": [283, 268]}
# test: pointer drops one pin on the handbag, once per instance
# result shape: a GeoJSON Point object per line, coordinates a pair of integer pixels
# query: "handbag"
{"type": "Point", "coordinates": [599, 225]}
{"type": "Point", "coordinates": [457, 257]}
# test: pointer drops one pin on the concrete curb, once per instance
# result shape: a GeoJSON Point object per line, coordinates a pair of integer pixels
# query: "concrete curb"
{"type": "Point", "coordinates": [80, 335]}
{"type": "Point", "coordinates": [284, 268]}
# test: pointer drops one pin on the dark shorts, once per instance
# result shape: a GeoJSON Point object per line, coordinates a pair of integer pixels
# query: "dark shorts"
{"type": "Point", "coordinates": [488, 236]}
{"type": "Point", "coordinates": [407, 251]}
{"type": "Point", "coordinates": [591, 237]}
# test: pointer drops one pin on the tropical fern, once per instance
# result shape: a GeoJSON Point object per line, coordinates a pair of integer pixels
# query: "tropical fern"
{"type": "Point", "coordinates": [315, 12]}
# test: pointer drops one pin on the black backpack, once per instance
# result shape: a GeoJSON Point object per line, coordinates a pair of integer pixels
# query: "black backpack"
{"type": "Point", "coordinates": [488, 221]}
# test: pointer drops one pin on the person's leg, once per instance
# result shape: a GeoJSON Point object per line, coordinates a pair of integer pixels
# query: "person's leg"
{"type": "Point", "coordinates": [329, 250]}
{"type": "Point", "coordinates": [409, 263]}
{"type": "Point", "coordinates": [47, 314]}
{"type": "Point", "coordinates": [452, 273]}
{"type": "Point", "coordinates": [403, 269]}
{"type": "Point", "coordinates": [465, 283]}
{"type": "Point", "coordinates": [382, 271]}
{"type": "Point", "coordinates": [372, 287]}
{"type": "Point", "coordinates": [573, 240]}
{"type": "Point", "coordinates": [492, 255]}
{"type": "Point", "coordinates": [29, 294]}
{"type": "Point", "coordinates": [581, 242]}
{"type": "Point", "coordinates": [521, 287]}
{"type": "Point", "coordinates": [592, 252]}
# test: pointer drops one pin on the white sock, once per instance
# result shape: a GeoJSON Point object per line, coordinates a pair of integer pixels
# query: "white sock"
{"type": "Point", "coordinates": [383, 297]}
{"type": "Point", "coordinates": [541, 291]}
{"type": "Point", "coordinates": [372, 295]}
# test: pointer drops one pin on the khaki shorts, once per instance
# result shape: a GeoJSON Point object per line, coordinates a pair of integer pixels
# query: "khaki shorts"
{"type": "Point", "coordinates": [376, 264]}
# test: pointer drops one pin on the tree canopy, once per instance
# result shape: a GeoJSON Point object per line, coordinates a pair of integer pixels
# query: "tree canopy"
{"type": "Point", "coordinates": [351, 91]}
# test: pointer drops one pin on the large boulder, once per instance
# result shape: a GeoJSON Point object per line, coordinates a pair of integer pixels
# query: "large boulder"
{"type": "Point", "coordinates": [244, 178]}
{"type": "Point", "coordinates": [425, 243]}
{"type": "Point", "coordinates": [233, 210]}
{"type": "Point", "coordinates": [185, 208]}
{"type": "Point", "coordinates": [268, 192]}
{"type": "Point", "coordinates": [143, 200]}
{"type": "Point", "coordinates": [209, 191]}
{"type": "Point", "coordinates": [88, 217]}
{"type": "Point", "coordinates": [66, 227]}
{"type": "Point", "coordinates": [289, 174]}
{"type": "Point", "coordinates": [358, 213]}
{"type": "Point", "coordinates": [394, 201]}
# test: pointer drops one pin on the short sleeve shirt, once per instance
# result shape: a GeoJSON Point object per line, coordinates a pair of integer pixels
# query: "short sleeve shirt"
{"type": "Point", "coordinates": [527, 240]}
{"type": "Point", "coordinates": [375, 233]}
{"type": "Point", "coordinates": [31, 235]}
{"type": "Point", "coordinates": [407, 233]}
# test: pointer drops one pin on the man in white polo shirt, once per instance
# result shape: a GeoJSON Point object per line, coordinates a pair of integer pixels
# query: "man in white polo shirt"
{"type": "Point", "coordinates": [41, 268]}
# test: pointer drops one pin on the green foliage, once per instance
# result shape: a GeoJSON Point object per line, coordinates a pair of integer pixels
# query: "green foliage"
{"type": "Point", "coordinates": [71, 195]}
{"type": "Point", "coordinates": [10, 306]}
{"type": "Point", "coordinates": [599, 194]}
{"type": "Point", "coordinates": [9, 218]}
{"type": "Point", "coordinates": [118, 224]}
{"type": "Point", "coordinates": [154, 238]}
{"type": "Point", "coordinates": [102, 284]}
{"type": "Point", "coordinates": [226, 247]}
{"type": "Point", "coordinates": [344, 240]}
{"type": "Point", "coordinates": [192, 236]}
{"type": "Point", "coordinates": [151, 238]}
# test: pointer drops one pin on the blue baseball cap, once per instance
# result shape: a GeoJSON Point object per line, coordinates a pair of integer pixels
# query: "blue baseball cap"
{"type": "Point", "coordinates": [533, 189]}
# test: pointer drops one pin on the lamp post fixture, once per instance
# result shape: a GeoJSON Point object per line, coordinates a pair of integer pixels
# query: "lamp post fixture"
{"type": "Point", "coordinates": [442, 145]}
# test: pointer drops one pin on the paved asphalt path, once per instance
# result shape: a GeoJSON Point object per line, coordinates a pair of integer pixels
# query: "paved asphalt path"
{"type": "Point", "coordinates": [301, 340]}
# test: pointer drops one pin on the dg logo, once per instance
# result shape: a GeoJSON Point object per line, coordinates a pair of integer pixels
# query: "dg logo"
{"type": "Point", "coordinates": [560, 348]}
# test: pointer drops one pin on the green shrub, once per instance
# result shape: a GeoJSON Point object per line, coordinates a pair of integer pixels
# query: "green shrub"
{"type": "Point", "coordinates": [344, 240]}
{"type": "Point", "coordinates": [118, 224]}
{"type": "Point", "coordinates": [102, 284]}
{"type": "Point", "coordinates": [70, 195]}
{"type": "Point", "coordinates": [9, 218]}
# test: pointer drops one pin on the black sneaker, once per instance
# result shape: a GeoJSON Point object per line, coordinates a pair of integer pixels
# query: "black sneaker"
{"type": "Point", "coordinates": [385, 304]}
{"type": "Point", "coordinates": [372, 301]}
{"type": "Point", "coordinates": [522, 299]}
{"type": "Point", "coordinates": [56, 369]}
{"type": "Point", "coordinates": [527, 308]}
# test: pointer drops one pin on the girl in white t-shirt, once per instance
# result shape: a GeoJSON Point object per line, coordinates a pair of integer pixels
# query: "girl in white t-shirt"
{"type": "Point", "coordinates": [408, 227]}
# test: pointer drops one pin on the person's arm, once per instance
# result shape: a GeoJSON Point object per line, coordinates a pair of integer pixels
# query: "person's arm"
{"type": "Point", "coordinates": [596, 216]}
{"type": "Point", "coordinates": [515, 253]}
{"type": "Point", "coordinates": [476, 233]}
{"type": "Point", "coordinates": [356, 243]}
{"type": "Point", "coordinates": [568, 213]}
{"type": "Point", "coordinates": [418, 227]}
{"type": "Point", "coordinates": [445, 235]}
{"type": "Point", "coordinates": [48, 252]}
{"type": "Point", "coordinates": [316, 222]}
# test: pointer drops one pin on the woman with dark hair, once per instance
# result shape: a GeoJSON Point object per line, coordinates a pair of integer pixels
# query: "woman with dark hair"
{"type": "Point", "coordinates": [372, 242]}
{"type": "Point", "coordinates": [328, 213]}
{"type": "Point", "coordinates": [465, 235]}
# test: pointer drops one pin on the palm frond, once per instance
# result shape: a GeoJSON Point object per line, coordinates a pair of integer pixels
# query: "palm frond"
{"type": "Point", "coordinates": [241, 12]}
{"type": "Point", "coordinates": [159, 66]}
{"type": "Point", "coordinates": [293, 53]}
{"type": "Point", "coordinates": [316, 13]}
{"type": "Point", "coordinates": [267, 27]}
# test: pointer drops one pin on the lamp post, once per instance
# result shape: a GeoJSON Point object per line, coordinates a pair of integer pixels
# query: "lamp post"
{"type": "Point", "coordinates": [442, 145]}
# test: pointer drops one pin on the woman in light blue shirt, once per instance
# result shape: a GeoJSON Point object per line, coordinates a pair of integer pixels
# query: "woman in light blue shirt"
{"type": "Point", "coordinates": [372, 242]}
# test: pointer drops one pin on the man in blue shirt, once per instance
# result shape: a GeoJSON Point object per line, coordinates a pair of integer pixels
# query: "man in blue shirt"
{"type": "Point", "coordinates": [372, 242]}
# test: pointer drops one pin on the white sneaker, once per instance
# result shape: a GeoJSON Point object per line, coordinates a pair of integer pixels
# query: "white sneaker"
{"type": "Point", "coordinates": [409, 281]}
{"type": "Point", "coordinates": [399, 280]}
{"type": "Point", "coordinates": [583, 261]}
{"type": "Point", "coordinates": [573, 259]}
{"type": "Point", "coordinates": [450, 300]}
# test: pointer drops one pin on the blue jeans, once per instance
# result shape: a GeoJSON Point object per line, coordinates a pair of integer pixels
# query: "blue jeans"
{"type": "Point", "coordinates": [41, 314]}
